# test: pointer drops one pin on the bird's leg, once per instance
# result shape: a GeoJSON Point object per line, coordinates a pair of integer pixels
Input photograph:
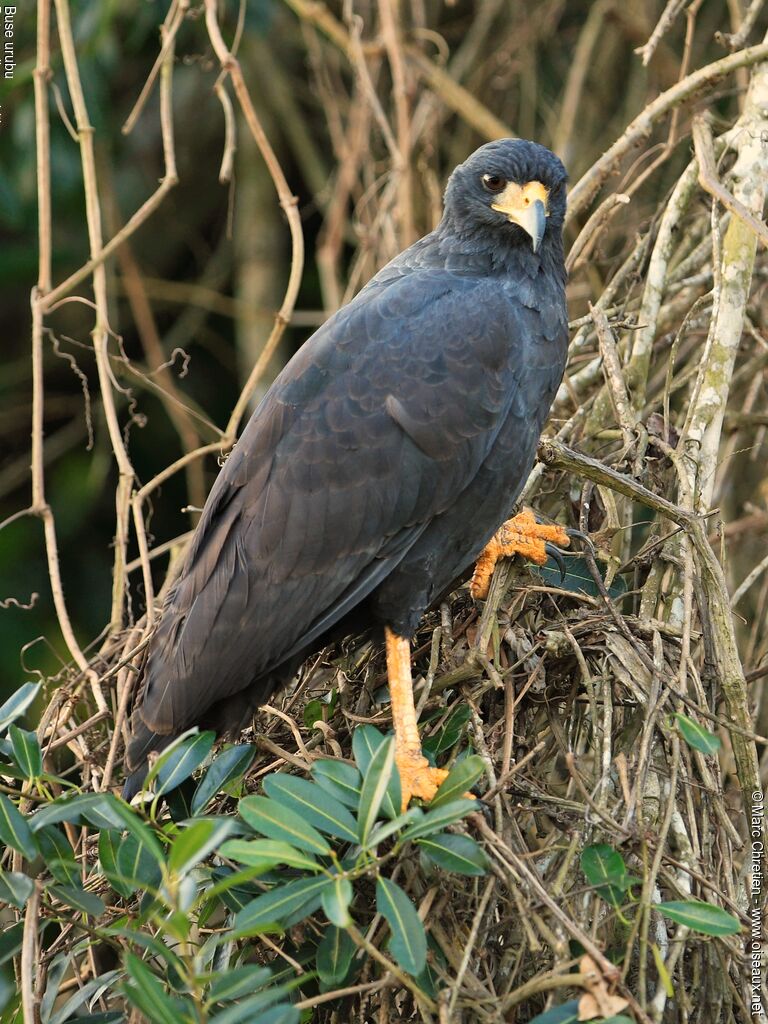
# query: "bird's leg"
{"type": "Point", "coordinates": [417, 778]}
{"type": "Point", "coordinates": [521, 535]}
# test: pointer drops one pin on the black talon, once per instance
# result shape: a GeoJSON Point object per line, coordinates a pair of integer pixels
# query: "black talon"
{"type": "Point", "coordinates": [557, 556]}
{"type": "Point", "coordinates": [585, 540]}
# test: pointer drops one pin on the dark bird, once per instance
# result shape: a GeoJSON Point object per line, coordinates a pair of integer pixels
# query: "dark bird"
{"type": "Point", "coordinates": [379, 466]}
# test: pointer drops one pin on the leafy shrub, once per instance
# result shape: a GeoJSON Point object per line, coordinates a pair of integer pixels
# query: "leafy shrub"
{"type": "Point", "coordinates": [168, 897]}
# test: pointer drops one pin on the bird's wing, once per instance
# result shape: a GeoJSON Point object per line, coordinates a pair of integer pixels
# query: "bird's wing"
{"type": "Point", "coordinates": [383, 416]}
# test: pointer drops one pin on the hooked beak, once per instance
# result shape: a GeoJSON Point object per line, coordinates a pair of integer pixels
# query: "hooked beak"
{"type": "Point", "coordinates": [533, 220]}
{"type": "Point", "coordinates": [526, 206]}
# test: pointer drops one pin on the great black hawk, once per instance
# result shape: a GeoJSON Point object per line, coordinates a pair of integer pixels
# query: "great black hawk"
{"type": "Point", "coordinates": [379, 465]}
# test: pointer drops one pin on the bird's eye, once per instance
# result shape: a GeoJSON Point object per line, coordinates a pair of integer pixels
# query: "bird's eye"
{"type": "Point", "coordinates": [493, 183]}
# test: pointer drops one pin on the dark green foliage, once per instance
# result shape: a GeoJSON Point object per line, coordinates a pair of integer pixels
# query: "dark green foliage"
{"type": "Point", "coordinates": [148, 883]}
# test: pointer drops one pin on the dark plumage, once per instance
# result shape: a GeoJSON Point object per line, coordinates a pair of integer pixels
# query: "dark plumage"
{"type": "Point", "coordinates": [379, 463]}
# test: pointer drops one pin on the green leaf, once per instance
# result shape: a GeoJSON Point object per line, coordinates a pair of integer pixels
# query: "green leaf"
{"type": "Point", "coordinates": [374, 789]}
{"type": "Point", "coordinates": [437, 818]}
{"type": "Point", "coordinates": [14, 831]}
{"type": "Point", "coordinates": [136, 866]}
{"type": "Point", "coordinates": [15, 888]}
{"type": "Point", "coordinates": [334, 956]}
{"type": "Point", "coordinates": [110, 841]}
{"type": "Point", "coordinates": [140, 831]}
{"type": "Point", "coordinates": [147, 993]}
{"type": "Point", "coordinates": [336, 899]}
{"type": "Point", "coordinates": [102, 810]}
{"type": "Point", "coordinates": [340, 780]}
{"type": "Point", "coordinates": [455, 853]}
{"type": "Point", "coordinates": [27, 752]}
{"type": "Point", "coordinates": [409, 941]}
{"type": "Point", "coordinates": [602, 865]}
{"type": "Point", "coordinates": [663, 973]}
{"type": "Point", "coordinates": [578, 578]}
{"type": "Point", "coordinates": [566, 1013]}
{"type": "Point", "coordinates": [604, 868]}
{"type": "Point", "coordinates": [275, 821]}
{"type": "Point", "coordinates": [17, 704]}
{"type": "Point", "coordinates": [195, 842]}
{"type": "Point", "coordinates": [85, 993]}
{"type": "Point", "coordinates": [366, 740]}
{"type": "Point", "coordinates": [313, 804]}
{"type": "Point", "coordinates": [10, 941]}
{"type": "Point", "coordinates": [388, 828]}
{"type": "Point", "coordinates": [450, 733]}
{"type": "Point", "coordinates": [267, 853]}
{"type": "Point", "coordinates": [79, 898]}
{"type": "Point", "coordinates": [280, 903]}
{"type": "Point", "coordinates": [179, 760]}
{"type": "Point", "coordinates": [251, 1011]}
{"type": "Point", "coordinates": [461, 778]}
{"type": "Point", "coordinates": [696, 735]}
{"type": "Point", "coordinates": [228, 766]}
{"type": "Point", "coordinates": [240, 981]}
{"type": "Point", "coordinates": [700, 917]}
{"type": "Point", "coordinates": [58, 855]}
{"type": "Point", "coordinates": [313, 712]}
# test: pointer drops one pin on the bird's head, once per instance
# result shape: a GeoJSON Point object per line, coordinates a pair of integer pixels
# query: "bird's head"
{"type": "Point", "coordinates": [511, 187]}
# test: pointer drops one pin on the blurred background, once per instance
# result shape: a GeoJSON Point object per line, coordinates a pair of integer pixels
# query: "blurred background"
{"type": "Point", "coordinates": [194, 292]}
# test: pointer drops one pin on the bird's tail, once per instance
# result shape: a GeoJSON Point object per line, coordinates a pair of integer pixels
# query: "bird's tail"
{"type": "Point", "coordinates": [142, 743]}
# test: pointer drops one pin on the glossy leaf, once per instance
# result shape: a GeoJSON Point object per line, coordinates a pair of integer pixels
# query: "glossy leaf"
{"type": "Point", "coordinates": [148, 994]}
{"type": "Point", "coordinates": [109, 845]}
{"type": "Point", "coordinates": [10, 941]}
{"type": "Point", "coordinates": [366, 740]}
{"type": "Point", "coordinates": [566, 1013]}
{"type": "Point", "coordinates": [15, 888]}
{"type": "Point", "coordinates": [58, 855]}
{"type": "Point", "coordinates": [17, 704]}
{"type": "Point", "coordinates": [455, 853]}
{"type": "Point", "coordinates": [313, 804]}
{"type": "Point", "coordinates": [604, 868]}
{"type": "Point", "coordinates": [409, 942]}
{"type": "Point", "coordinates": [697, 736]}
{"type": "Point", "coordinates": [84, 994]}
{"type": "Point", "coordinates": [14, 830]}
{"type": "Point", "coordinates": [79, 898]}
{"type": "Point", "coordinates": [240, 981]}
{"type": "Point", "coordinates": [195, 842]}
{"type": "Point", "coordinates": [136, 866]}
{"type": "Point", "coordinates": [334, 956]}
{"type": "Point", "coordinates": [275, 821]}
{"type": "Point", "coordinates": [26, 751]}
{"type": "Point", "coordinates": [229, 765]}
{"type": "Point", "coordinates": [101, 810]}
{"type": "Point", "coordinates": [450, 733]}
{"type": "Point", "coordinates": [602, 865]}
{"type": "Point", "coordinates": [267, 853]}
{"type": "Point", "coordinates": [336, 898]}
{"type": "Point", "coordinates": [340, 779]}
{"type": "Point", "coordinates": [251, 1011]}
{"type": "Point", "coordinates": [375, 785]}
{"type": "Point", "coordinates": [279, 904]}
{"type": "Point", "coordinates": [181, 759]}
{"type": "Point", "coordinates": [700, 917]}
{"type": "Point", "coordinates": [436, 819]}
{"type": "Point", "coordinates": [460, 779]}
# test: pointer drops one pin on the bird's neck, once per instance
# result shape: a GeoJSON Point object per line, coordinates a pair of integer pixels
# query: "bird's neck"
{"type": "Point", "coordinates": [492, 253]}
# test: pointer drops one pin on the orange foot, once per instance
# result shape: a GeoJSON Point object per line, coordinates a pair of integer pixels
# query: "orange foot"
{"type": "Point", "coordinates": [521, 535]}
{"type": "Point", "coordinates": [417, 778]}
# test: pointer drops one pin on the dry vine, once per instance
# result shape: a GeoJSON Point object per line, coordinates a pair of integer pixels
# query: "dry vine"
{"type": "Point", "coordinates": [568, 693]}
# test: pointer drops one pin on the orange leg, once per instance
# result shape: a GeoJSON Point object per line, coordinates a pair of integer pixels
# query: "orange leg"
{"type": "Point", "coordinates": [521, 535]}
{"type": "Point", "coordinates": [417, 778]}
